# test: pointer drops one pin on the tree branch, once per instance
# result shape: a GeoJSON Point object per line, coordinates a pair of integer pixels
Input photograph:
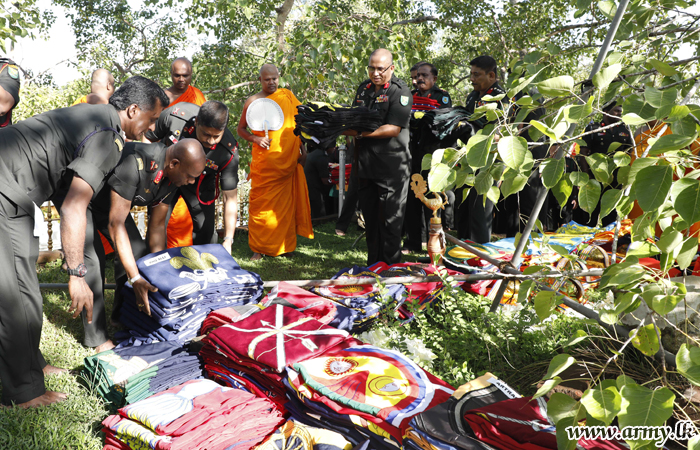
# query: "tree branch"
{"type": "Point", "coordinates": [282, 13]}
{"type": "Point", "coordinates": [230, 88]}
{"type": "Point", "coordinates": [573, 27]}
{"type": "Point", "coordinates": [423, 19]}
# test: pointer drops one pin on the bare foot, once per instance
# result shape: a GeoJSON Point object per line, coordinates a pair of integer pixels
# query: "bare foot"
{"type": "Point", "coordinates": [256, 257]}
{"type": "Point", "coordinates": [339, 232]}
{"type": "Point", "coordinates": [108, 345]}
{"type": "Point", "coordinates": [53, 370]}
{"type": "Point", "coordinates": [44, 400]}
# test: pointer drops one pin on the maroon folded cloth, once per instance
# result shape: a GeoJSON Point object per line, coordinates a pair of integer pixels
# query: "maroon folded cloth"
{"type": "Point", "coordinates": [277, 337]}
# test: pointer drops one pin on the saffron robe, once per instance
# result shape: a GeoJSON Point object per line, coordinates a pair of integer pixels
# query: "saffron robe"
{"type": "Point", "coordinates": [279, 207]}
{"type": "Point", "coordinates": [82, 99]}
{"type": "Point", "coordinates": [180, 223]}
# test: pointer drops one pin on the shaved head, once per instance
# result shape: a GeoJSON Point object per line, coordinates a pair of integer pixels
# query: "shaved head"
{"type": "Point", "coordinates": [180, 62]}
{"type": "Point", "coordinates": [382, 54]}
{"type": "Point", "coordinates": [102, 83]}
{"type": "Point", "coordinates": [181, 75]}
{"type": "Point", "coordinates": [269, 78]}
{"type": "Point", "coordinates": [185, 161]}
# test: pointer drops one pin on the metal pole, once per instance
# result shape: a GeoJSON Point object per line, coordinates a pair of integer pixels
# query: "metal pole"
{"type": "Point", "coordinates": [341, 179]}
{"type": "Point", "coordinates": [542, 196]}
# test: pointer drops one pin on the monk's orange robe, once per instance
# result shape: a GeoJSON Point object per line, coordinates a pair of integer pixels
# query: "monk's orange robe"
{"type": "Point", "coordinates": [82, 99]}
{"type": "Point", "coordinates": [278, 208]}
{"type": "Point", "coordinates": [180, 223]}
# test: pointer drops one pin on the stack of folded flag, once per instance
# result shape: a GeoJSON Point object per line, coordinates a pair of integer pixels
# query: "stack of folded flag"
{"type": "Point", "coordinates": [297, 436]}
{"type": "Point", "coordinates": [191, 282]}
{"type": "Point", "coordinates": [226, 315]}
{"type": "Point", "coordinates": [126, 375]}
{"type": "Point", "coordinates": [367, 300]}
{"type": "Point", "coordinates": [373, 390]}
{"type": "Point", "coordinates": [253, 352]}
{"type": "Point", "coordinates": [424, 103]}
{"type": "Point", "coordinates": [441, 128]}
{"type": "Point", "coordinates": [322, 123]}
{"type": "Point", "coordinates": [199, 414]}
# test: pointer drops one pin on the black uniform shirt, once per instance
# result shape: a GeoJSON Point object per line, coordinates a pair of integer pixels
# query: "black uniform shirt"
{"type": "Point", "coordinates": [600, 142]}
{"type": "Point", "coordinates": [474, 101]}
{"type": "Point", "coordinates": [177, 122]}
{"type": "Point", "coordinates": [389, 157]}
{"type": "Point", "coordinates": [139, 176]}
{"type": "Point", "coordinates": [437, 94]}
{"type": "Point", "coordinates": [42, 155]}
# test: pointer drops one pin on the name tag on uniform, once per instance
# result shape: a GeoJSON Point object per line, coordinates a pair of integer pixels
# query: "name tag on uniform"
{"type": "Point", "coordinates": [382, 98]}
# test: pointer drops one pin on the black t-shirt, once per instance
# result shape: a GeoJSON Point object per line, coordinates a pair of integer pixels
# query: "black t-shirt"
{"type": "Point", "coordinates": [139, 176]}
{"type": "Point", "coordinates": [42, 152]}
{"type": "Point", "coordinates": [177, 122]}
{"type": "Point", "coordinates": [385, 158]}
{"type": "Point", "coordinates": [600, 142]}
{"type": "Point", "coordinates": [474, 101]}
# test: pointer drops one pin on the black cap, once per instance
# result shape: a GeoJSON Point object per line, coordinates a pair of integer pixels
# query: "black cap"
{"type": "Point", "coordinates": [9, 78]}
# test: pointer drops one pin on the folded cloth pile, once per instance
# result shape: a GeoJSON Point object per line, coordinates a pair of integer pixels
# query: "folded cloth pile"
{"type": "Point", "coordinates": [440, 128]}
{"type": "Point", "coordinates": [334, 172]}
{"type": "Point", "coordinates": [199, 414]}
{"type": "Point", "coordinates": [322, 123]}
{"type": "Point", "coordinates": [320, 308]}
{"type": "Point", "coordinates": [297, 436]}
{"type": "Point", "coordinates": [254, 352]}
{"type": "Point", "coordinates": [380, 386]}
{"type": "Point", "coordinates": [126, 375]}
{"type": "Point", "coordinates": [191, 282]}
{"type": "Point", "coordinates": [443, 426]}
{"type": "Point", "coordinates": [424, 103]}
{"type": "Point", "coordinates": [367, 300]}
{"type": "Point", "coordinates": [226, 315]}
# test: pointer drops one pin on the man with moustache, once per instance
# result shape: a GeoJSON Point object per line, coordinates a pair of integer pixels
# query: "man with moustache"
{"type": "Point", "coordinates": [384, 161]}
{"type": "Point", "coordinates": [62, 155]}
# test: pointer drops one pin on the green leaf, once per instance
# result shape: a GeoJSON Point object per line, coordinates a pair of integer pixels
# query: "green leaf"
{"type": "Point", "coordinates": [694, 442]}
{"type": "Point", "coordinates": [662, 67]}
{"type": "Point", "coordinates": [609, 201]}
{"type": "Point", "coordinates": [602, 404]}
{"type": "Point", "coordinates": [646, 340]}
{"type": "Point", "coordinates": [608, 8]}
{"type": "Point", "coordinates": [493, 194]}
{"type": "Point", "coordinates": [685, 126]}
{"type": "Point", "coordinates": [687, 202]}
{"type": "Point", "coordinates": [561, 406]}
{"type": "Point", "coordinates": [622, 159]}
{"type": "Point", "coordinates": [545, 302]}
{"type": "Point", "coordinates": [578, 336]}
{"type": "Point", "coordinates": [544, 129]}
{"type": "Point", "coordinates": [664, 304]}
{"type": "Point", "coordinates": [633, 119]}
{"type": "Point", "coordinates": [572, 114]}
{"type": "Point", "coordinates": [688, 251]}
{"type": "Point", "coordinates": [626, 303]}
{"type": "Point", "coordinates": [562, 191]}
{"type": "Point", "coordinates": [589, 195]}
{"type": "Point", "coordinates": [670, 142]}
{"type": "Point", "coordinates": [637, 165]}
{"type": "Point", "coordinates": [622, 381]}
{"type": "Point", "coordinates": [512, 151]}
{"type": "Point", "coordinates": [678, 112]}
{"type": "Point", "coordinates": [563, 441]}
{"type": "Point", "coordinates": [522, 84]}
{"type": "Point", "coordinates": [658, 98]}
{"type": "Point", "coordinates": [608, 316]}
{"type": "Point", "coordinates": [688, 363]}
{"type": "Point", "coordinates": [512, 185]}
{"type": "Point", "coordinates": [439, 177]}
{"type": "Point", "coordinates": [605, 76]}
{"type": "Point", "coordinates": [652, 185]}
{"type": "Point", "coordinates": [643, 407]}
{"type": "Point", "coordinates": [557, 86]}
{"type": "Point", "coordinates": [552, 171]}
{"type": "Point", "coordinates": [425, 163]}
{"type": "Point", "coordinates": [493, 98]}
{"type": "Point", "coordinates": [637, 105]}
{"type": "Point", "coordinates": [524, 291]}
{"type": "Point", "coordinates": [601, 167]}
{"type": "Point", "coordinates": [559, 363]}
{"type": "Point", "coordinates": [670, 239]}
{"type": "Point", "coordinates": [483, 182]}
{"type": "Point", "coordinates": [579, 178]}
{"type": "Point", "coordinates": [478, 148]}
{"type": "Point", "coordinates": [546, 387]}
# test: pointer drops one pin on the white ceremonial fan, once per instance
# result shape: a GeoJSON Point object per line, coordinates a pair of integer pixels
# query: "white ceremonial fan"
{"type": "Point", "coordinates": [263, 115]}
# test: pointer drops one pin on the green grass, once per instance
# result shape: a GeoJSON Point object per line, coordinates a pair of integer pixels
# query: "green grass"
{"type": "Point", "coordinates": [76, 423]}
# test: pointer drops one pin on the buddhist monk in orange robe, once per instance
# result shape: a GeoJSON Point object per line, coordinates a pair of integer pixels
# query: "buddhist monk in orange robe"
{"type": "Point", "coordinates": [278, 208]}
{"type": "Point", "coordinates": [101, 88]}
{"type": "Point", "coordinates": [180, 222]}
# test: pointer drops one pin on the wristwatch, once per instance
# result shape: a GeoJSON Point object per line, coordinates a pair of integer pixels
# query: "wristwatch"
{"type": "Point", "coordinates": [79, 271]}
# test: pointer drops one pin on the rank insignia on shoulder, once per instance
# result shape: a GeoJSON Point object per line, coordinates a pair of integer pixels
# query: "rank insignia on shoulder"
{"type": "Point", "coordinates": [175, 111]}
{"type": "Point", "coordinates": [147, 191]}
{"type": "Point", "coordinates": [154, 166]}
{"type": "Point", "coordinates": [159, 176]}
{"type": "Point", "coordinates": [139, 162]}
{"type": "Point", "coordinates": [13, 72]}
{"type": "Point", "coordinates": [119, 144]}
{"type": "Point", "coordinates": [445, 99]}
{"type": "Point", "coordinates": [404, 100]}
